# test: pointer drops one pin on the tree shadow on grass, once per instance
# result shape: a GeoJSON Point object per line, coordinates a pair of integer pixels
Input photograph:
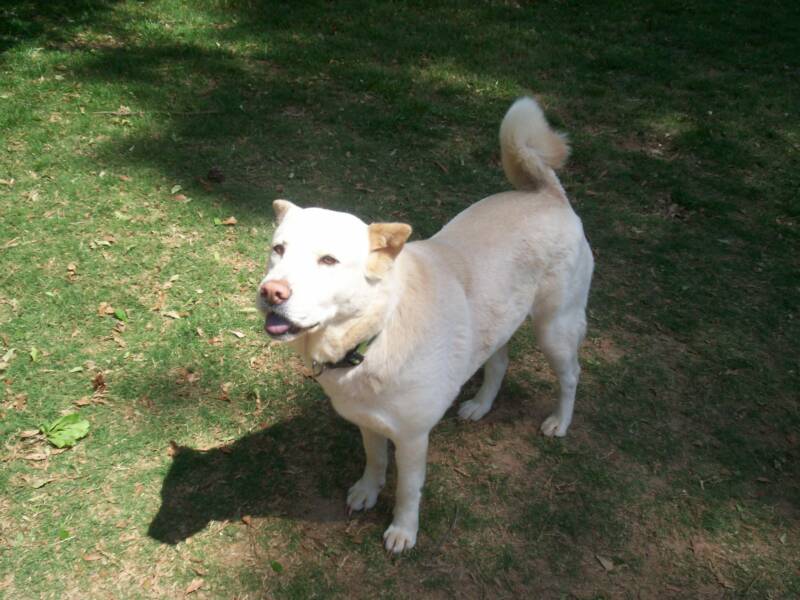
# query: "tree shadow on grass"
{"type": "Point", "coordinates": [49, 21]}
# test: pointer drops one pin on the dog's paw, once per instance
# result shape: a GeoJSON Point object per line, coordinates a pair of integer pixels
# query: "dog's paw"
{"type": "Point", "coordinates": [396, 539]}
{"type": "Point", "coordinates": [553, 426]}
{"type": "Point", "coordinates": [362, 495]}
{"type": "Point", "coordinates": [472, 410]}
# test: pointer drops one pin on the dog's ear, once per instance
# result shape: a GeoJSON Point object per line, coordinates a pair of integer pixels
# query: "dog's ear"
{"type": "Point", "coordinates": [281, 207]}
{"type": "Point", "coordinates": [386, 240]}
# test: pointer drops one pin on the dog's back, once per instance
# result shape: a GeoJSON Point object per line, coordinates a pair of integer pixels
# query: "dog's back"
{"type": "Point", "coordinates": [523, 252]}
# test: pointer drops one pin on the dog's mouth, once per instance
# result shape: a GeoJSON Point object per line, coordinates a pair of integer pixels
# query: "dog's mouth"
{"type": "Point", "coordinates": [279, 327]}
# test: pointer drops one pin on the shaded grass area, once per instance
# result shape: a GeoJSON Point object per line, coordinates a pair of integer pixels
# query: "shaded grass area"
{"type": "Point", "coordinates": [681, 467]}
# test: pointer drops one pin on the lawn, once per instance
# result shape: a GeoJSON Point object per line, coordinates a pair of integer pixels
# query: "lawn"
{"type": "Point", "coordinates": [141, 145]}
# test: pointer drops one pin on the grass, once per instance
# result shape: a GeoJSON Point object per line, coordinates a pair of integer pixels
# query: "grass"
{"type": "Point", "coordinates": [681, 466]}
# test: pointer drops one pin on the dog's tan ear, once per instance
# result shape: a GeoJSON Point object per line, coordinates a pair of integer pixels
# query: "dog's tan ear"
{"type": "Point", "coordinates": [281, 207]}
{"type": "Point", "coordinates": [386, 240]}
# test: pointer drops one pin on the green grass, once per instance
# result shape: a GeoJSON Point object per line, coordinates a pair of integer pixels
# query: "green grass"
{"type": "Point", "coordinates": [681, 466]}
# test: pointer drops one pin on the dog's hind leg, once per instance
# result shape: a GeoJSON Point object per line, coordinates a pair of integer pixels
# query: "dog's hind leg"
{"type": "Point", "coordinates": [559, 337]}
{"type": "Point", "coordinates": [493, 372]}
{"type": "Point", "coordinates": [364, 493]}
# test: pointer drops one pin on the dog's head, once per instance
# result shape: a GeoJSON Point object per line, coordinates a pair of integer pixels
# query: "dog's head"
{"type": "Point", "coordinates": [323, 268]}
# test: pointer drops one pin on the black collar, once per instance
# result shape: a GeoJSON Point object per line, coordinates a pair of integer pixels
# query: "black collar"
{"type": "Point", "coordinates": [353, 358]}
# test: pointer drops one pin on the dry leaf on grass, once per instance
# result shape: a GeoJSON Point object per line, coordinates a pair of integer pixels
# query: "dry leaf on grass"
{"type": "Point", "coordinates": [37, 456]}
{"type": "Point", "coordinates": [99, 382]}
{"type": "Point", "coordinates": [105, 309]}
{"type": "Point", "coordinates": [40, 482]}
{"type": "Point", "coordinates": [195, 585]}
{"type": "Point", "coordinates": [607, 563]}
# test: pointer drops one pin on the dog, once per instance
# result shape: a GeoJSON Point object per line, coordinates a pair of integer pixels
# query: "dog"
{"type": "Point", "coordinates": [392, 329]}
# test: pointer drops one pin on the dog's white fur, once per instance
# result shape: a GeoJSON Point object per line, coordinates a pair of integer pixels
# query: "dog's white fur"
{"type": "Point", "coordinates": [441, 308]}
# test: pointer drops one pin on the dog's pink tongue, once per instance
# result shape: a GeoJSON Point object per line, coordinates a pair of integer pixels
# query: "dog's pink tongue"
{"type": "Point", "coordinates": [276, 324]}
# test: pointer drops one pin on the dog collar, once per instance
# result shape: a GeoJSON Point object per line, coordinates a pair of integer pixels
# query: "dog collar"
{"type": "Point", "coordinates": [353, 358]}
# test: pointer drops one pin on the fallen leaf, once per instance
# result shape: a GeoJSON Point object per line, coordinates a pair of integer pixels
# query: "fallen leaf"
{"type": "Point", "coordinates": [34, 354]}
{"type": "Point", "coordinates": [200, 332]}
{"type": "Point", "coordinates": [5, 362]}
{"type": "Point", "coordinates": [195, 585]}
{"type": "Point", "coordinates": [185, 375]}
{"type": "Point", "coordinates": [91, 557]}
{"type": "Point", "coordinates": [247, 520]}
{"type": "Point", "coordinates": [29, 433]}
{"type": "Point", "coordinates": [607, 563]}
{"type": "Point", "coordinates": [225, 389]}
{"type": "Point", "coordinates": [160, 302]}
{"type": "Point", "coordinates": [20, 401]}
{"type": "Point", "coordinates": [238, 334]}
{"type": "Point", "coordinates": [105, 309]}
{"type": "Point", "coordinates": [172, 314]}
{"type": "Point", "coordinates": [180, 198]}
{"type": "Point", "coordinates": [99, 382]}
{"type": "Point", "coordinates": [124, 178]}
{"type": "Point", "coordinates": [175, 189]}
{"type": "Point", "coordinates": [76, 369]}
{"type": "Point", "coordinates": [65, 431]}
{"type": "Point", "coordinates": [120, 314]}
{"type": "Point", "coordinates": [276, 566]}
{"type": "Point", "coordinates": [35, 456]}
{"type": "Point", "coordinates": [229, 221]}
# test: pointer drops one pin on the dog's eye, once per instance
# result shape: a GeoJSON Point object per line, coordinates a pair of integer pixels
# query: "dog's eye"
{"type": "Point", "coordinates": [278, 249]}
{"type": "Point", "coordinates": [328, 260]}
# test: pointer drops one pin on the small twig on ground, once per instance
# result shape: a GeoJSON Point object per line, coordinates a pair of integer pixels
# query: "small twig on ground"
{"type": "Point", "coordinates": [139, 113]}
{"type": "Point", "coordinates": [447, 533]}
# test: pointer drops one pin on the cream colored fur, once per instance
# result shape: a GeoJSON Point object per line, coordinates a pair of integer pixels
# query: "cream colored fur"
{"type": "Point", "coordinates": [441, 308]}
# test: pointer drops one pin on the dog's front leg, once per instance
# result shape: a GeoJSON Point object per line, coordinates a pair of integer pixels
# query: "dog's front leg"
{"type": "Point", "coordinates": [411, 455]}
{"type": "Point", "coordinates": [364, 493]}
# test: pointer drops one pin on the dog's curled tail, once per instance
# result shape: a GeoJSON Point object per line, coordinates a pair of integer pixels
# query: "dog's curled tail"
{"type": "Point", "coordinates": [528, 146]}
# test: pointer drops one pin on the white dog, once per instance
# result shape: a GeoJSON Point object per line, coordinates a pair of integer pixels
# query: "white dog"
{"type": "Point", "coordinates": [393, 330]}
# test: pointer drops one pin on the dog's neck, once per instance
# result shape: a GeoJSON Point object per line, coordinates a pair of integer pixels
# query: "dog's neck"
{"type": "Point", "coordinates": [330, 344]}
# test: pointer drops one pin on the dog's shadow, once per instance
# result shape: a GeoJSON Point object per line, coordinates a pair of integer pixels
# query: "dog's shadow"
{"type": "Point", "coordinates": [298, 468]}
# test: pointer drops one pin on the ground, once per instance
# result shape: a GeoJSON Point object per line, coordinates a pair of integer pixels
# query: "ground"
{"type": "Point", "coordinates": [141, 145]}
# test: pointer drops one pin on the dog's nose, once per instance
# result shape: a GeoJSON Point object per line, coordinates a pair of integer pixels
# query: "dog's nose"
{"type": "Point", "coordinates": [276, 292]}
